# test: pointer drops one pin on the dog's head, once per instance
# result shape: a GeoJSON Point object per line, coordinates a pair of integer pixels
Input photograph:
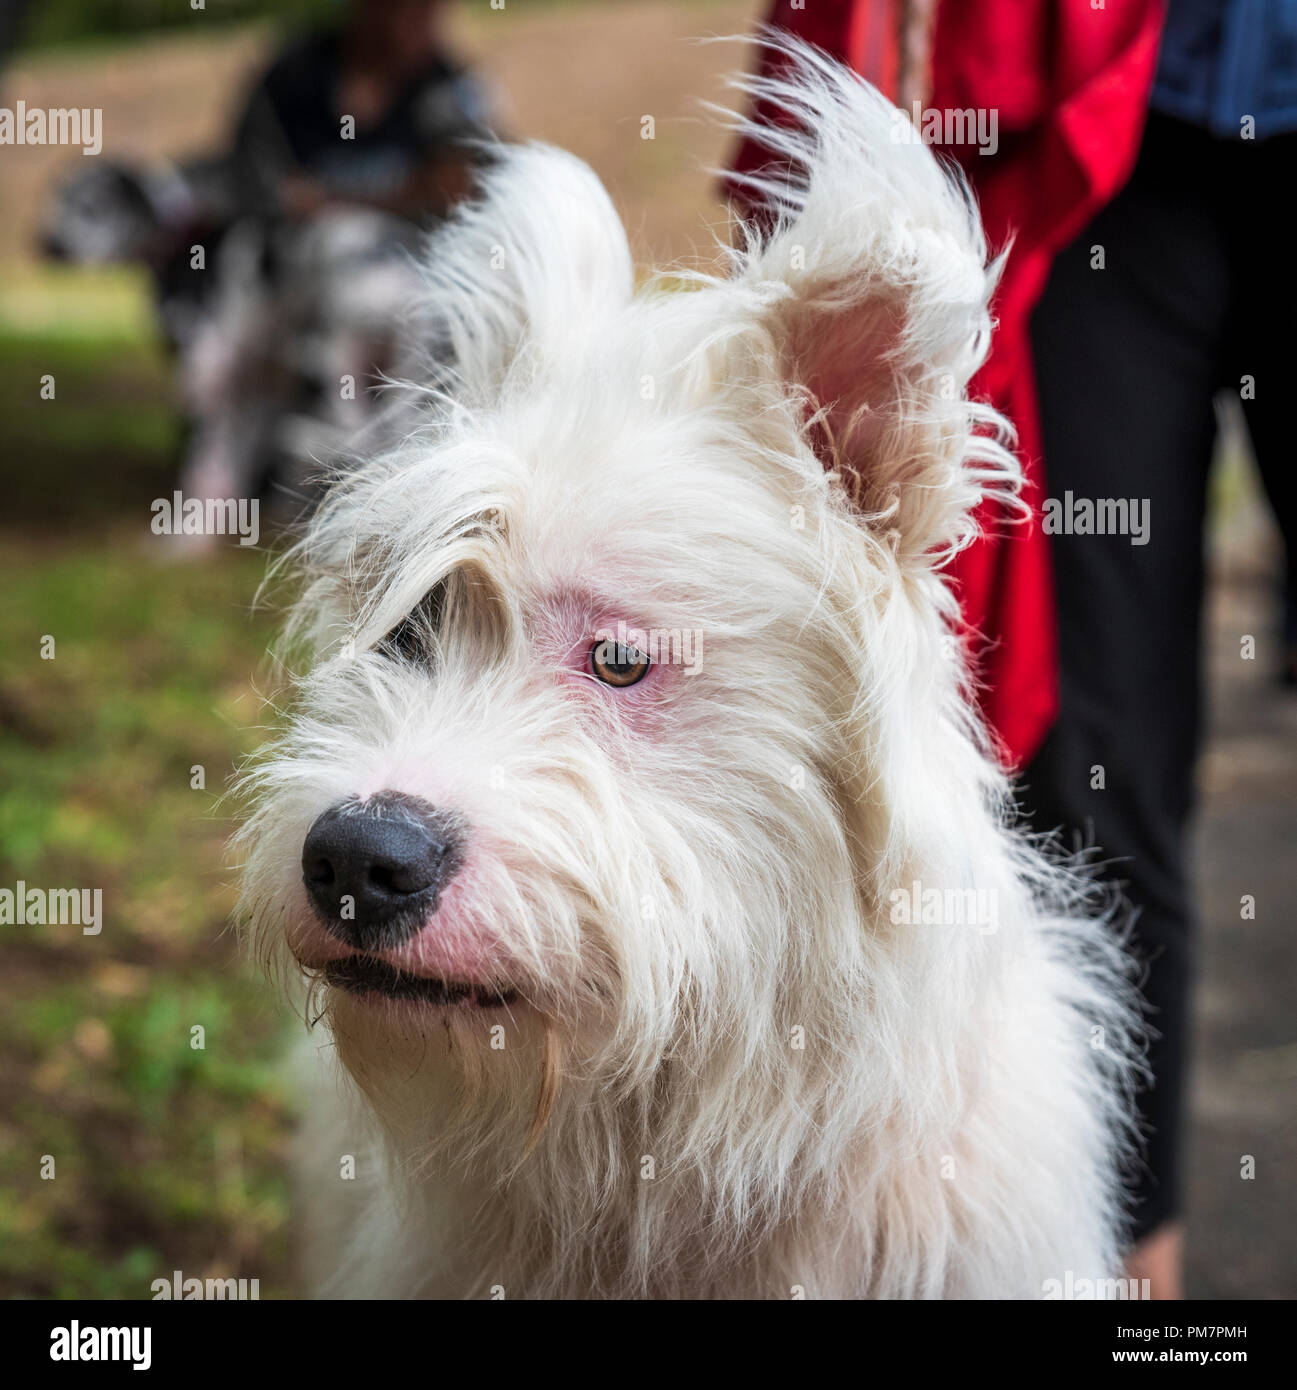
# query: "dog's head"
{"type": "Point", "coordinates": [631, 660]}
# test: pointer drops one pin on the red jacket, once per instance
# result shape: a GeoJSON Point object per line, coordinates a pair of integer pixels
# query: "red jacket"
{"type": "Point", "coordinates": [1070, 85]}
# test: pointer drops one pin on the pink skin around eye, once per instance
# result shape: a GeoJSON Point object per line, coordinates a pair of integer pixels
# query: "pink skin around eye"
{"type": "Point", "coordinates": [566, 636]}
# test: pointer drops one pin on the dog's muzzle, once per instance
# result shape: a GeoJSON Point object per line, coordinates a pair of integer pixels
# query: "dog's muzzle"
{"type": "Point", "coordinates": [375, 869]}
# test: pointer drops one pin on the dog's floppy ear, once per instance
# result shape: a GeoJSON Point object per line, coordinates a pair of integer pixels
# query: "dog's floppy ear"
{"type": "Point", "coordinates": [867, 267]}
{"type": "Point", "coordinates": [538, 256]}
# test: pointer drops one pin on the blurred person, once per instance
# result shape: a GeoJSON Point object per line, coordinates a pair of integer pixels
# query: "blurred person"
{"type": "Point", "coordinates": [354, 140]}
{"type": "Point", "coordinates": [376, 112]}
{"type": "Point", "coordinates": [1129, 360]}
{"type": "Point", "coordinates": [282, 266]}
{"type": "Point", "coordinates": [1151, 135]}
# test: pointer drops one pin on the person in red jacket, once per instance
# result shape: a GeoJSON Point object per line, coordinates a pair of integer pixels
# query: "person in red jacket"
{"type": "Point", "coordinates": [1129, 298]}
{"type": "Point", "coordinates": [1068, 98]}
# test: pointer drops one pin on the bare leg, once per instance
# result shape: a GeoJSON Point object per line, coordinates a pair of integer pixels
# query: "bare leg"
{"type": "Point", "coordinates": [1159, 1258]}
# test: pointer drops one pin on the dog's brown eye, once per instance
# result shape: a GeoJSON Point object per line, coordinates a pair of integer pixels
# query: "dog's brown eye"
{"type": "Point", "coordinates": [614, 663]}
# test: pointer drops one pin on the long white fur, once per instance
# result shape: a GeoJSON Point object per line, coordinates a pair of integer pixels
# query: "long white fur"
{"type": "Point", "coordinates": [765, 1084]}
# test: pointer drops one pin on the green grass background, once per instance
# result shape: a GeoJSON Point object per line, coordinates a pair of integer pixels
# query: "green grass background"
{"type": "Point", "coordinates": [165, 1157]}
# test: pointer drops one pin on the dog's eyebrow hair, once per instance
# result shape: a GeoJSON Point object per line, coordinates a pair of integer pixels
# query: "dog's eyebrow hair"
{"type": "Point", "coordinates": [642, 611]}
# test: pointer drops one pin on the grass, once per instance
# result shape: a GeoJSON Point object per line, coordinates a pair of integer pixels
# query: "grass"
{"type": "Point", "coordinates": [165, 1155]}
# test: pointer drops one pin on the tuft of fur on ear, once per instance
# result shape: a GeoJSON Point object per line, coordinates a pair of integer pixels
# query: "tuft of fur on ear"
{"type": "Point", "coordinates": [539, 256]}
{"type": "Point", "coordinates": [869, 264]}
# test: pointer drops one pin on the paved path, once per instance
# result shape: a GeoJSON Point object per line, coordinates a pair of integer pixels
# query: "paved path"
{"type": "Point", "coordinates": [1243, 1233]}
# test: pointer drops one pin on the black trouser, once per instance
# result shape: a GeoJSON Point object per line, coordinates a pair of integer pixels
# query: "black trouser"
{"type": "Point", "coordinates": [1196, 292]}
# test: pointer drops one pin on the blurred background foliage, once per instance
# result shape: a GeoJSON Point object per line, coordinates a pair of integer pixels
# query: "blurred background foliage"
{"type": "Point", "coordinates": [63, 21]}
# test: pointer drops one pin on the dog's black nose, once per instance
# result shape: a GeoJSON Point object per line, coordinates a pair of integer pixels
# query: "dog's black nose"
{"type": "Point", "coordinates": [374, 869]}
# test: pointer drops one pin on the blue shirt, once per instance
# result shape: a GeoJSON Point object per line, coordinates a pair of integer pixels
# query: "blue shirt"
{"type": "Point", "coordinates": [1224, 60]}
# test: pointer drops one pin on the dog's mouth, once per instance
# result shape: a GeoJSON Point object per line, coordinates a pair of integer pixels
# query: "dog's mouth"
{"type": "Point", "coordinates": [365, 975]}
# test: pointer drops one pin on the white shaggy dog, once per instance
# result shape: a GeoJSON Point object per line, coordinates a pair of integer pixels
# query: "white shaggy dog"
{"type": "Point", "coordinates": [633, 827]}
